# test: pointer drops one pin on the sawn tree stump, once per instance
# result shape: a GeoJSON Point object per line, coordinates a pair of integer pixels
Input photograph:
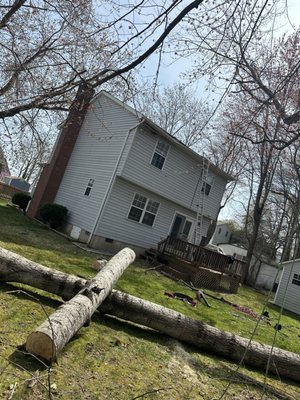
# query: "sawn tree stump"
{"type": "Point", "coordinates": [51, 337]}
{"type": "Point", "coordinates": [14, 268]}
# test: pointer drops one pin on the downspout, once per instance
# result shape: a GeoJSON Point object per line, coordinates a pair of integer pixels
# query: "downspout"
{"type": "Point", "coordinates": [111, 182]}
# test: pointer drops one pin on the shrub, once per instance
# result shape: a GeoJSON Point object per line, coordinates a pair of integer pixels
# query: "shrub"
{"type": "Point", "coordinates": [21, 200]}
{"type": "Point", "coordinates": [54, 214]}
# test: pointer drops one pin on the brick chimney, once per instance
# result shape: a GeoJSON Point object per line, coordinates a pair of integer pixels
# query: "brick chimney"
{"type": "Point", "coordinates": [53, 172]}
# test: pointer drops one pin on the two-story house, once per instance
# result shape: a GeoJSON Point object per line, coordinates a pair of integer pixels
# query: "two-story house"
{"type": "Point", "coordinates": [128, 182]}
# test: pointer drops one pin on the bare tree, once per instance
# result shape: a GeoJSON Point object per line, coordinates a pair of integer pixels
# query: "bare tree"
{"type": "Point", "coordinates": [177, 110]}
{"type": "Point", "coordinates": [28, 141]}
{"type": "Point", "coordinates": [241, 52]}
{"type": "Point", "coordinates": [286, 190]}
{"type": "Point", "coordinates": [264, 88]}
{"type": "Point", "coordinates": [47, 49]}
{"type": "Point", "coordinates": [258, 156]}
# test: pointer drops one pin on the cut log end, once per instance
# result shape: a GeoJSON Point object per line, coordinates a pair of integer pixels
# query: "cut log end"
{"type": "Point", "coordinates": [41, 345]}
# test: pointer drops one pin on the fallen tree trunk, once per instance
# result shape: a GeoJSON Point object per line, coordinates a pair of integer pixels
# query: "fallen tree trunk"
{"type": "Point", "coordinates": [52, 336]}
{"type": "Point", "coordinates": [14, 268]}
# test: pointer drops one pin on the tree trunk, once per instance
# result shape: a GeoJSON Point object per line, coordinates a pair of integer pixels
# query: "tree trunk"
{"type": "Point", "coordinates": [14, 268]}
{"type": "Point", "coordinates": [51, 337]}
{"type": "Point", "coordinates": [282, 363]}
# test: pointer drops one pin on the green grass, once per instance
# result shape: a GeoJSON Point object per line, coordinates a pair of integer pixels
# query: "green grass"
{"type": "Point", "coordinates": [112, 359]}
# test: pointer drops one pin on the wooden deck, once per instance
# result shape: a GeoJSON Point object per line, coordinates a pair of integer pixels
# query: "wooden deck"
{"type": "Point", "coordinates": [203, 261]}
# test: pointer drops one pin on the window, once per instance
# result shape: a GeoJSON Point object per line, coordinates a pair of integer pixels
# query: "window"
{"type": "Point", "coordinates": [160, 154]}
{"type": "Point", "coordinates": [207, 184]}
{"type": "Point", "coordinates": [296, 279]}
{"type": "Point", "coordinates": [89, 187]}
{"type": "Point", "coordinates": [143, 210]}
{"type": "Point", "coordinates": [220, 230]}
{"type": "Point", "coordinates": [186, 230]}
{"type": "Point", "coordinates": [226, 234]}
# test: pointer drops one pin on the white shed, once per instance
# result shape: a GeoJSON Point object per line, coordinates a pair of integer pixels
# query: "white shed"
{"type": "Point", "coordinates": [288, 291]}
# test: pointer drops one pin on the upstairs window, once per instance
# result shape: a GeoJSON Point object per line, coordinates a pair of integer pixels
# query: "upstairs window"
{"type": "Point", "coordinates": [143, 210]}
{"type": "Point", "coordinates": [296, 279]}
{"type": "Point", "coordinates": [160, 154]}
{"type": "Point", "coordinates": [89, 187]}
{"type": "Point", "coordinates": [207, 184]}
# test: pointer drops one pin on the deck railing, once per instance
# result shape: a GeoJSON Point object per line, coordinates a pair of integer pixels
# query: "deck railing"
{"type": "Point", "coordinates": [202, 257]}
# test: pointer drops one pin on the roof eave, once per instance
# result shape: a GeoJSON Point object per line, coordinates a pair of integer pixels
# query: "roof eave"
{"type": "Point", "coordinates": [152, 125]}
{"type": "Point", "coordinates": [188, 150]}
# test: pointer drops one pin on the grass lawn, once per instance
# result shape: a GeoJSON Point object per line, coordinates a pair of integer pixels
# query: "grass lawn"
{"type": "Point", "coordinates": [113, 359]}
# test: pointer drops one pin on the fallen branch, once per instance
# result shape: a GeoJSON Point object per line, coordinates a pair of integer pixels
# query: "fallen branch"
{"type": "Point", "coordinates": [14, 268]}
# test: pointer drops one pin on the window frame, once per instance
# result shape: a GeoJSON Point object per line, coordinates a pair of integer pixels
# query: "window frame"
{"type": "Point", "coordinates": [296, 279]}
{"type": "Point", "coordinates": [207, 184]}
{"type": "Point", "coordinates": [89, 187]}
{"type": "Point", "coordinates": [144, 210]}
{"type": "Point", "coordinates": [161, 155]}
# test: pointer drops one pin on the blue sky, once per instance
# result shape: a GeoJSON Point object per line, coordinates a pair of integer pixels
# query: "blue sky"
{"type": "Point", "coordinates": [171, 72]}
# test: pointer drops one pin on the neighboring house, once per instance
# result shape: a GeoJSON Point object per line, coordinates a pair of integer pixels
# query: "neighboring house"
{"type": "Point", "coordinates": [238, 251]}
{"type": "Point", "coordinates": [288, 291]}
{"type": "Point", "coordinates": [4, 170]}
{"type": "Point", "coordinates": [17, 182]}
{"type": "Point", "coordinates": [129, 182]}
{"type": "Point", "coordinates": [222, 234]}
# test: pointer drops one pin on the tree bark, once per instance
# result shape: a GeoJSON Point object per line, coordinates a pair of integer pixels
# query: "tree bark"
{"type": "Point", "coordinates": [14, 268]}
{"type": "Point", "coordinates": [52, 336]}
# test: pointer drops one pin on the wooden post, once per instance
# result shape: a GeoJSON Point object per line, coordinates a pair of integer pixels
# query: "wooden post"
{"type": "Point", "coordinates": [51, 337]}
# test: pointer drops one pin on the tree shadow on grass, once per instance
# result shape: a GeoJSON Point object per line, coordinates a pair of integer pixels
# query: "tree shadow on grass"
{"type": "Point", "coordinates": [24, 292]}
{"type": "Point", "coordinates": [20, 359]}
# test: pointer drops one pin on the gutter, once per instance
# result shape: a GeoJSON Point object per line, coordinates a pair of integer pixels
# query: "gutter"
{"type": "Point", "coordinates": [188, 150]}
{"type": "Point", "coordinates": [110, 185]}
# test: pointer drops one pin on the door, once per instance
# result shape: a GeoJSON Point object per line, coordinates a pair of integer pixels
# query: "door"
{"type": "Point", "coordinates": [175, 231]}
{"type": "Point", "coordinates": [181, 227]}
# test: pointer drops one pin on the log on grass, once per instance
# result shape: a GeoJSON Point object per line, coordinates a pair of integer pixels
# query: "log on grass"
{"type": "Point", "coordinates": [52, 336]}
{"type": "Point", "coordinates": [14, 268]}
{"type": "Point", "coordinates": [282, 363]}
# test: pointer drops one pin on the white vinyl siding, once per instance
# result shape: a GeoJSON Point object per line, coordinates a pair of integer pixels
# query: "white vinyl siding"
{"type": "Point", "coordinates": [179, 180]}
{"type": "Point", "coordinates": [95, 156]}
{"type": "Point", "coordinates": [113, 143]}
{"type": "Point", "coordinates": [288, 293]}
{"type": "Point", "coordinates": [222, 234]}
{"type": "Point", "coordinates": [115, 223]}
